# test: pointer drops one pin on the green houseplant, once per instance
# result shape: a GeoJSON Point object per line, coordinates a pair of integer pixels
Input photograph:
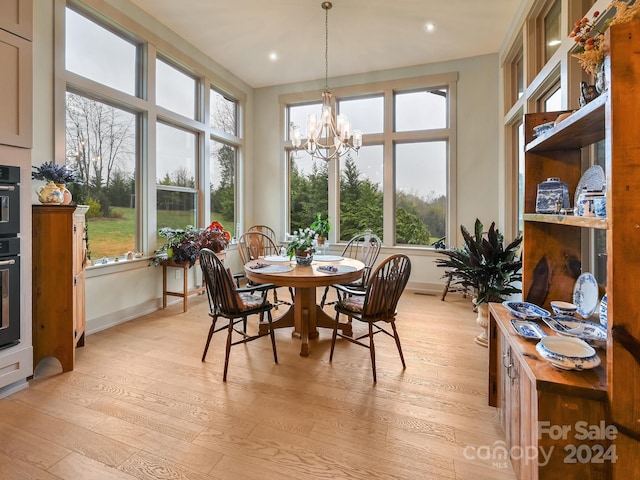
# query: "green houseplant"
{"type": "Point", "coordinates": [303, 246]}
{"type": "Point", "coordinates": [322, 226]}
{"type": "Point", "coordinates": [485, 265]}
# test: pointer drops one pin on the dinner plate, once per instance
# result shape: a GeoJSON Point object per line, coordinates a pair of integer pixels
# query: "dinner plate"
{"type": "Point", "coordinates": [271, 268]}
{"type": "Point", "coordinates": [592, 179]}
{"type": "Point", "coordinates": [585, 295]}
{"type": "Point", "coordinates": [327, 258]}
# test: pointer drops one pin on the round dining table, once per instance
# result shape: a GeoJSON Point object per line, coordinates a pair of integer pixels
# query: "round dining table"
{"type": "Point", "coordinates": [305, 315]}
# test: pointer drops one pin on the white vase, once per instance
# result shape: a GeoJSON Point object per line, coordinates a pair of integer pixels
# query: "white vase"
{"type": "Point", "coordinates": [483, 320]}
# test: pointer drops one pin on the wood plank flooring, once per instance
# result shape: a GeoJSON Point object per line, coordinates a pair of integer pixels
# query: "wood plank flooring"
{"type": "Point", "coordinates": [141, 405]}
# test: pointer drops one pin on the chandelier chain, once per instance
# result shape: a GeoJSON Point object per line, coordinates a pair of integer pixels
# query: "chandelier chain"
{"type": "Point", "coordinates": [326, 47]}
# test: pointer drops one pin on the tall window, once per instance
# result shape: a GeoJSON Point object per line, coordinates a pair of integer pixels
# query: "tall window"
{"type": "Point", "coordinates": [101, 137]}
{"type": "Point", "coordinates": [399, 178]}
{"type": "Point", "coordinates": [176, 177]}
{"type": "Point", "coordinates": [223, 162]}
{"type": "Point", "coordinates": [112, 115]}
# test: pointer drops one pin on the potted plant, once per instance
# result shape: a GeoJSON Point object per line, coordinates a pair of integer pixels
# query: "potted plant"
{"type": "Point", "coordinates": [322, 228]}
{"type": "Point", "coordinates": [303, 246]}
{"type": "Point", "coordinates": [485, 265]}
{"type": "Point", "coordinates": [184, 245]}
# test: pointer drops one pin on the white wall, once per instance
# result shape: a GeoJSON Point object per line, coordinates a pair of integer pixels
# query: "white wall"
{"type": "Point", "coordinates": [477, 149]}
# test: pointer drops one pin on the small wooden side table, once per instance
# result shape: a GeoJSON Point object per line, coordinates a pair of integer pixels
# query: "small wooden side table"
{"type": "Point", "coordinates": [186, 293]}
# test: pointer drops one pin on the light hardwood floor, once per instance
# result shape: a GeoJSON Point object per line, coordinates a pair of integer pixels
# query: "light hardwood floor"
{"type": "Point", "coordinates": [141, 405]}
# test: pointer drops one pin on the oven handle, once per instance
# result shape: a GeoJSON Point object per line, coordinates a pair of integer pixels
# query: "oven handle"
{"type": "Point", "coordinates": [7, 262]}
{"type": "Point", "coordinates": [9, 188]}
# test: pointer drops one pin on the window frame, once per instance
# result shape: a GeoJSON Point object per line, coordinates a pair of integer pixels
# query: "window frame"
{"type": "Point", "coordinates": [388, 139]}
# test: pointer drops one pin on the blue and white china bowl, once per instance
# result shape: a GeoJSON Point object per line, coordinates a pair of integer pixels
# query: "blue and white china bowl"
{"type": "Point", "coordinates": [526, 310]}
{"type": "Point", "coordinates": [585, 295]}
{"type": "Point", "coordinates": [603, 311]}
{"type": "Point", "coordinates": [563, 308]}
{"type": "Point", "coordinates": [568, 353]}
{"type": "Point", "coordinates": [544, 128]}
{"type": "Point", "coordinates": [592, 333]}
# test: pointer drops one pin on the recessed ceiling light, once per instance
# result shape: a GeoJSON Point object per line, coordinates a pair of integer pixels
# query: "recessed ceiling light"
{"type": "Point", "coordinates": [429, 26]}
{"type": "Point", "coordinates": [273, 56]}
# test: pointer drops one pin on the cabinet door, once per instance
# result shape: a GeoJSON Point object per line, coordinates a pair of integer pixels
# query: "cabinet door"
{"type": "Point", "coordinates": [79, 316]}
{"type": "Point", "coordinates": [15, 90]}
{"type": "Point", "coordinates": [16, 16]}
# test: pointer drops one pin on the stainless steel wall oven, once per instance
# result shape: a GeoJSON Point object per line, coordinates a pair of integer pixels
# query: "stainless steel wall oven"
{"type": "Point", "coordinates": [9, 256]}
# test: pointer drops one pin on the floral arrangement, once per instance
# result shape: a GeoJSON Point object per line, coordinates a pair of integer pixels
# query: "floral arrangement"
{"type": "Point", "coordinates": [305, 240]}
{"type": "Point", "coordinates": [590, 37]}
{"type": "Point", "coordinates": [184, 245]}
{"type": "Point", "coordinates": [52, 172]}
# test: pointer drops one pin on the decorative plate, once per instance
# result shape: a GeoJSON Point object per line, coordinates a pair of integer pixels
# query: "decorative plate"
{"type": "Point", "coordinates": [603, 311]}
{"type": "Point", "coordinates": [568, 353]}
{"type": "Point", "coordinates": [585, 295]}
{"type": "Point", "coordinates": [592, 333]}
{"type": "Point", "coordinates": [544, 128]}
{"type": "Point", "coordinates": [592, 179]}
{"type": "Point", "coordinates": [526, 310]}
{"type": "Point", "coordinates": [527, 329]}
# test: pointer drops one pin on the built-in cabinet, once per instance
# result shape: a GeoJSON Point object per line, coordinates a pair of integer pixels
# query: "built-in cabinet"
{"type": "Point", "coordinates": [17, 72]}
{"type": "Point", "coordinates": [59, 260]}
{"type": "Point", "coordinates": [527, 389]}
{"type": "Point", "coordinates": [16, 93]}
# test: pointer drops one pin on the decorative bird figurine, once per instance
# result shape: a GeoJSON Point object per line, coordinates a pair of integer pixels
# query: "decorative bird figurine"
{"type": "Point", "coordinates": [587, 93]}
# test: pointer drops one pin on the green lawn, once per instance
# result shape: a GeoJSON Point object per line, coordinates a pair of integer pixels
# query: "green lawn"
{"type": "Point", "coordinates": [109, 237]}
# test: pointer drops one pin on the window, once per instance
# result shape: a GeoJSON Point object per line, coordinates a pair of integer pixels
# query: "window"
{"type": "Point", "coordinates": [100, 55]}
{"type": "Point", "coordinates": [176, 178]}
{"type": "Point", "coordinates": [552, 31]}
{"type": "Point", "coordinates": [308, 189]}
{"type": "Point", "coordinates": [222, 185]}
{"type": "Point", "coordinates": [420, 192]}
{"type": "Point", "coordinates": [224, 113]}
{"type": "Point", "coordinates": [189, 177]}
{"type": "Point", "coordinates": [175, 90]}
{"type": "Point", "coordinates": [361, 195]}
{"type": "Point", "coordinates": [421, 110]}
{"type": "Point", "coordinates": [397, 185]}
{"type": "Point", "coordinates": [101, 147]}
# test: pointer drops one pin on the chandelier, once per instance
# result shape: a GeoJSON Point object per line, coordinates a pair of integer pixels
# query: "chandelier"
{"type": "Point", "coordinates": [327, 137]}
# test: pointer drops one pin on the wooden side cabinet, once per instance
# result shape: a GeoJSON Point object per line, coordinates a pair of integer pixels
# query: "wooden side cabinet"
{"type": "Point", "coordinates": [59, 258]}
{"type": "Point", "coordinates": [554, 421]}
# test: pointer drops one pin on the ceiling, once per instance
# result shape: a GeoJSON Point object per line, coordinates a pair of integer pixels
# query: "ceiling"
{"type": "Point", "coordinates": [364, 35]}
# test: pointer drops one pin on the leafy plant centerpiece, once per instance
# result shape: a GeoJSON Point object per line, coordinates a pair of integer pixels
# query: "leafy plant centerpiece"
{"type": "Point", "coordinates": [485, 264]}
{"type": "Point", "coordinates": [322, 226]}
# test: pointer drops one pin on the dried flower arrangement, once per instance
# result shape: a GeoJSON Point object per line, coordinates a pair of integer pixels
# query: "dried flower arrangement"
{"type": "Point", "coordinates": [590, 35]}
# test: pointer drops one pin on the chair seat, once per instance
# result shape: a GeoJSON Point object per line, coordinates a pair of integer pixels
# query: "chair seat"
{"type": "Point", "coordinates": [251, 301]}
{"type": "Point", "coordinates": [353, 304]}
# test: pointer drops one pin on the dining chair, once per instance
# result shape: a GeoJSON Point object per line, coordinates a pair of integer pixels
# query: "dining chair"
{"type": "Point", "coordinates": [364, 247]}
{"type": "Point", "coordinates": [234, 304]}
{"type": "Point", "coordinates": [268, 231]}
{"type": "Point", "coordinates": [253, 245]}
{"type": "Point", "coordinates": [378, 303]}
